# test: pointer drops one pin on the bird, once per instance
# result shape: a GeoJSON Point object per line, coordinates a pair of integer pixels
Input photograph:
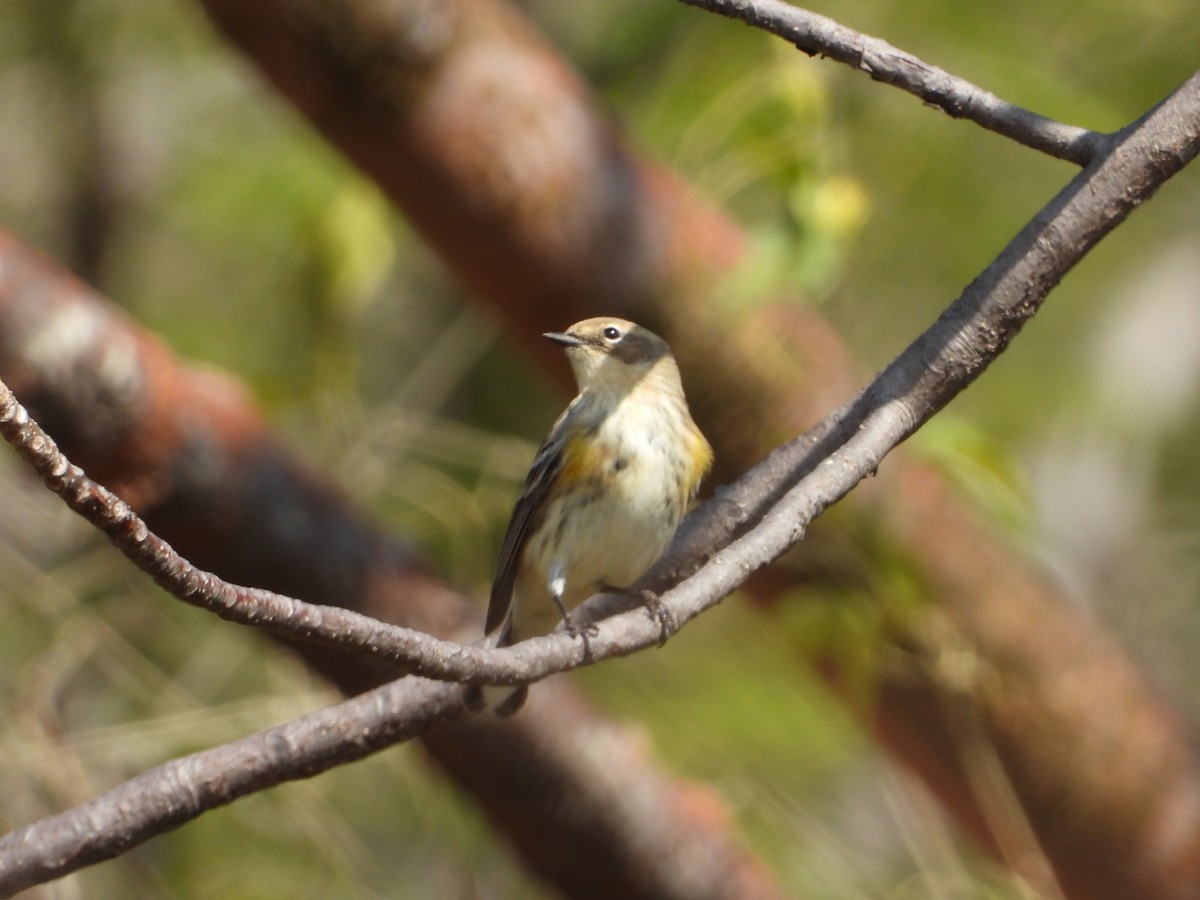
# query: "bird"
{"type": "Point", "coordinates": [607, 488]}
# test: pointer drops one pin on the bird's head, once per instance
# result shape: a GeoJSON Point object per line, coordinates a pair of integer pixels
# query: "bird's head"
{"type": "Point", "coordinates": [608, 354]}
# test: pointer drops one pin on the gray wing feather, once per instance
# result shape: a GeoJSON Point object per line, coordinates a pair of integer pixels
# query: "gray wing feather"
{"type": "Point", "coordinates": [544, 472]}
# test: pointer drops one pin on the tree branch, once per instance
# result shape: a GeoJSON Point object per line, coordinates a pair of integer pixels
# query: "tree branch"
{"type": "Point", "coordinates": [817, 35]}
{"type": "Point", "coordinates": [846, 448]}
{"type": "Point", "coordinates": [178, 791]}
{"type": "Point", "coordinates": [287, 617]}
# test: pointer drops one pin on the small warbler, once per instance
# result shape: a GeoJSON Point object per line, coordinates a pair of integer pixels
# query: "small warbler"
{"type": "Point", "coordinates": [608, 485]}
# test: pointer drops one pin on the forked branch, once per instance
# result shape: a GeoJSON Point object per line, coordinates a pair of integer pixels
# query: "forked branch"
{"type": "Point", "coordinates": [818, 35]}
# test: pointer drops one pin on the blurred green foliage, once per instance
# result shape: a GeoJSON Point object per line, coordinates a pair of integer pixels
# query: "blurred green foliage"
{"type": "Point", "coordinates": [235, 233]}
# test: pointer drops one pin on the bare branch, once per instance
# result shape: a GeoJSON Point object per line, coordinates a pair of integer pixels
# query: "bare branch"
{"type": "Point", "coordinates": [976, 328]}
{"type": "Point", "coordinates": [177, 792]}
{"type": "Point", "coordinates": [284, 616]}
{"type": "Point", "coordinates": [842, 451]}
{"type": "Point", "coordinates": [817, 35]}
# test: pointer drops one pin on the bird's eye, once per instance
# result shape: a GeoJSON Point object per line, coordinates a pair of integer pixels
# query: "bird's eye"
{"type": "Point", "coordinates": [611, 333]}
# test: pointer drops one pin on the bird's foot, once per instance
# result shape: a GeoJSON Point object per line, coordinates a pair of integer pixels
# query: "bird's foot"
{"type": "Point", "coordinates": [656, 609]}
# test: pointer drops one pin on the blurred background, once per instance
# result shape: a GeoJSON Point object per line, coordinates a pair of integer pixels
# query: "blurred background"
{"type": "Point", "coordinates": [144, 153]}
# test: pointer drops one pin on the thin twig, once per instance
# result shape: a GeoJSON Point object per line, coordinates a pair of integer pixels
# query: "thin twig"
{"type": "Point", "coordinates": [817, 35]}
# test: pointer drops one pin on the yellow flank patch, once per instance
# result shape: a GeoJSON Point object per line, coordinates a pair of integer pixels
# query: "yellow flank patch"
{"type": "Point", "coordinates": [584, 460]}
{"type": "Point", "coordinates": [701, 457]}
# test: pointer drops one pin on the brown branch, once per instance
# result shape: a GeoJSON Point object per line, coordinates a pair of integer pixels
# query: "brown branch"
{"type": "Point", "coordinates": [817, 35]}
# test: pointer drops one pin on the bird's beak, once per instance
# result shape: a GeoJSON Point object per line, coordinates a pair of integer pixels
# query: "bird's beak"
{"type": "Point", "coordinates": [563, 340]}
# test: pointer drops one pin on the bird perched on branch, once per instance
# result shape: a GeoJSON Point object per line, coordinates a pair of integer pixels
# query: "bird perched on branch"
{"type": "Point", "coordinates": [608, 486]}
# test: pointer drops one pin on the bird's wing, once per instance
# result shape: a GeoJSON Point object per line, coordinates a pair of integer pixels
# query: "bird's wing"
{"type": "Point", "coordinates": [547, 465]}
